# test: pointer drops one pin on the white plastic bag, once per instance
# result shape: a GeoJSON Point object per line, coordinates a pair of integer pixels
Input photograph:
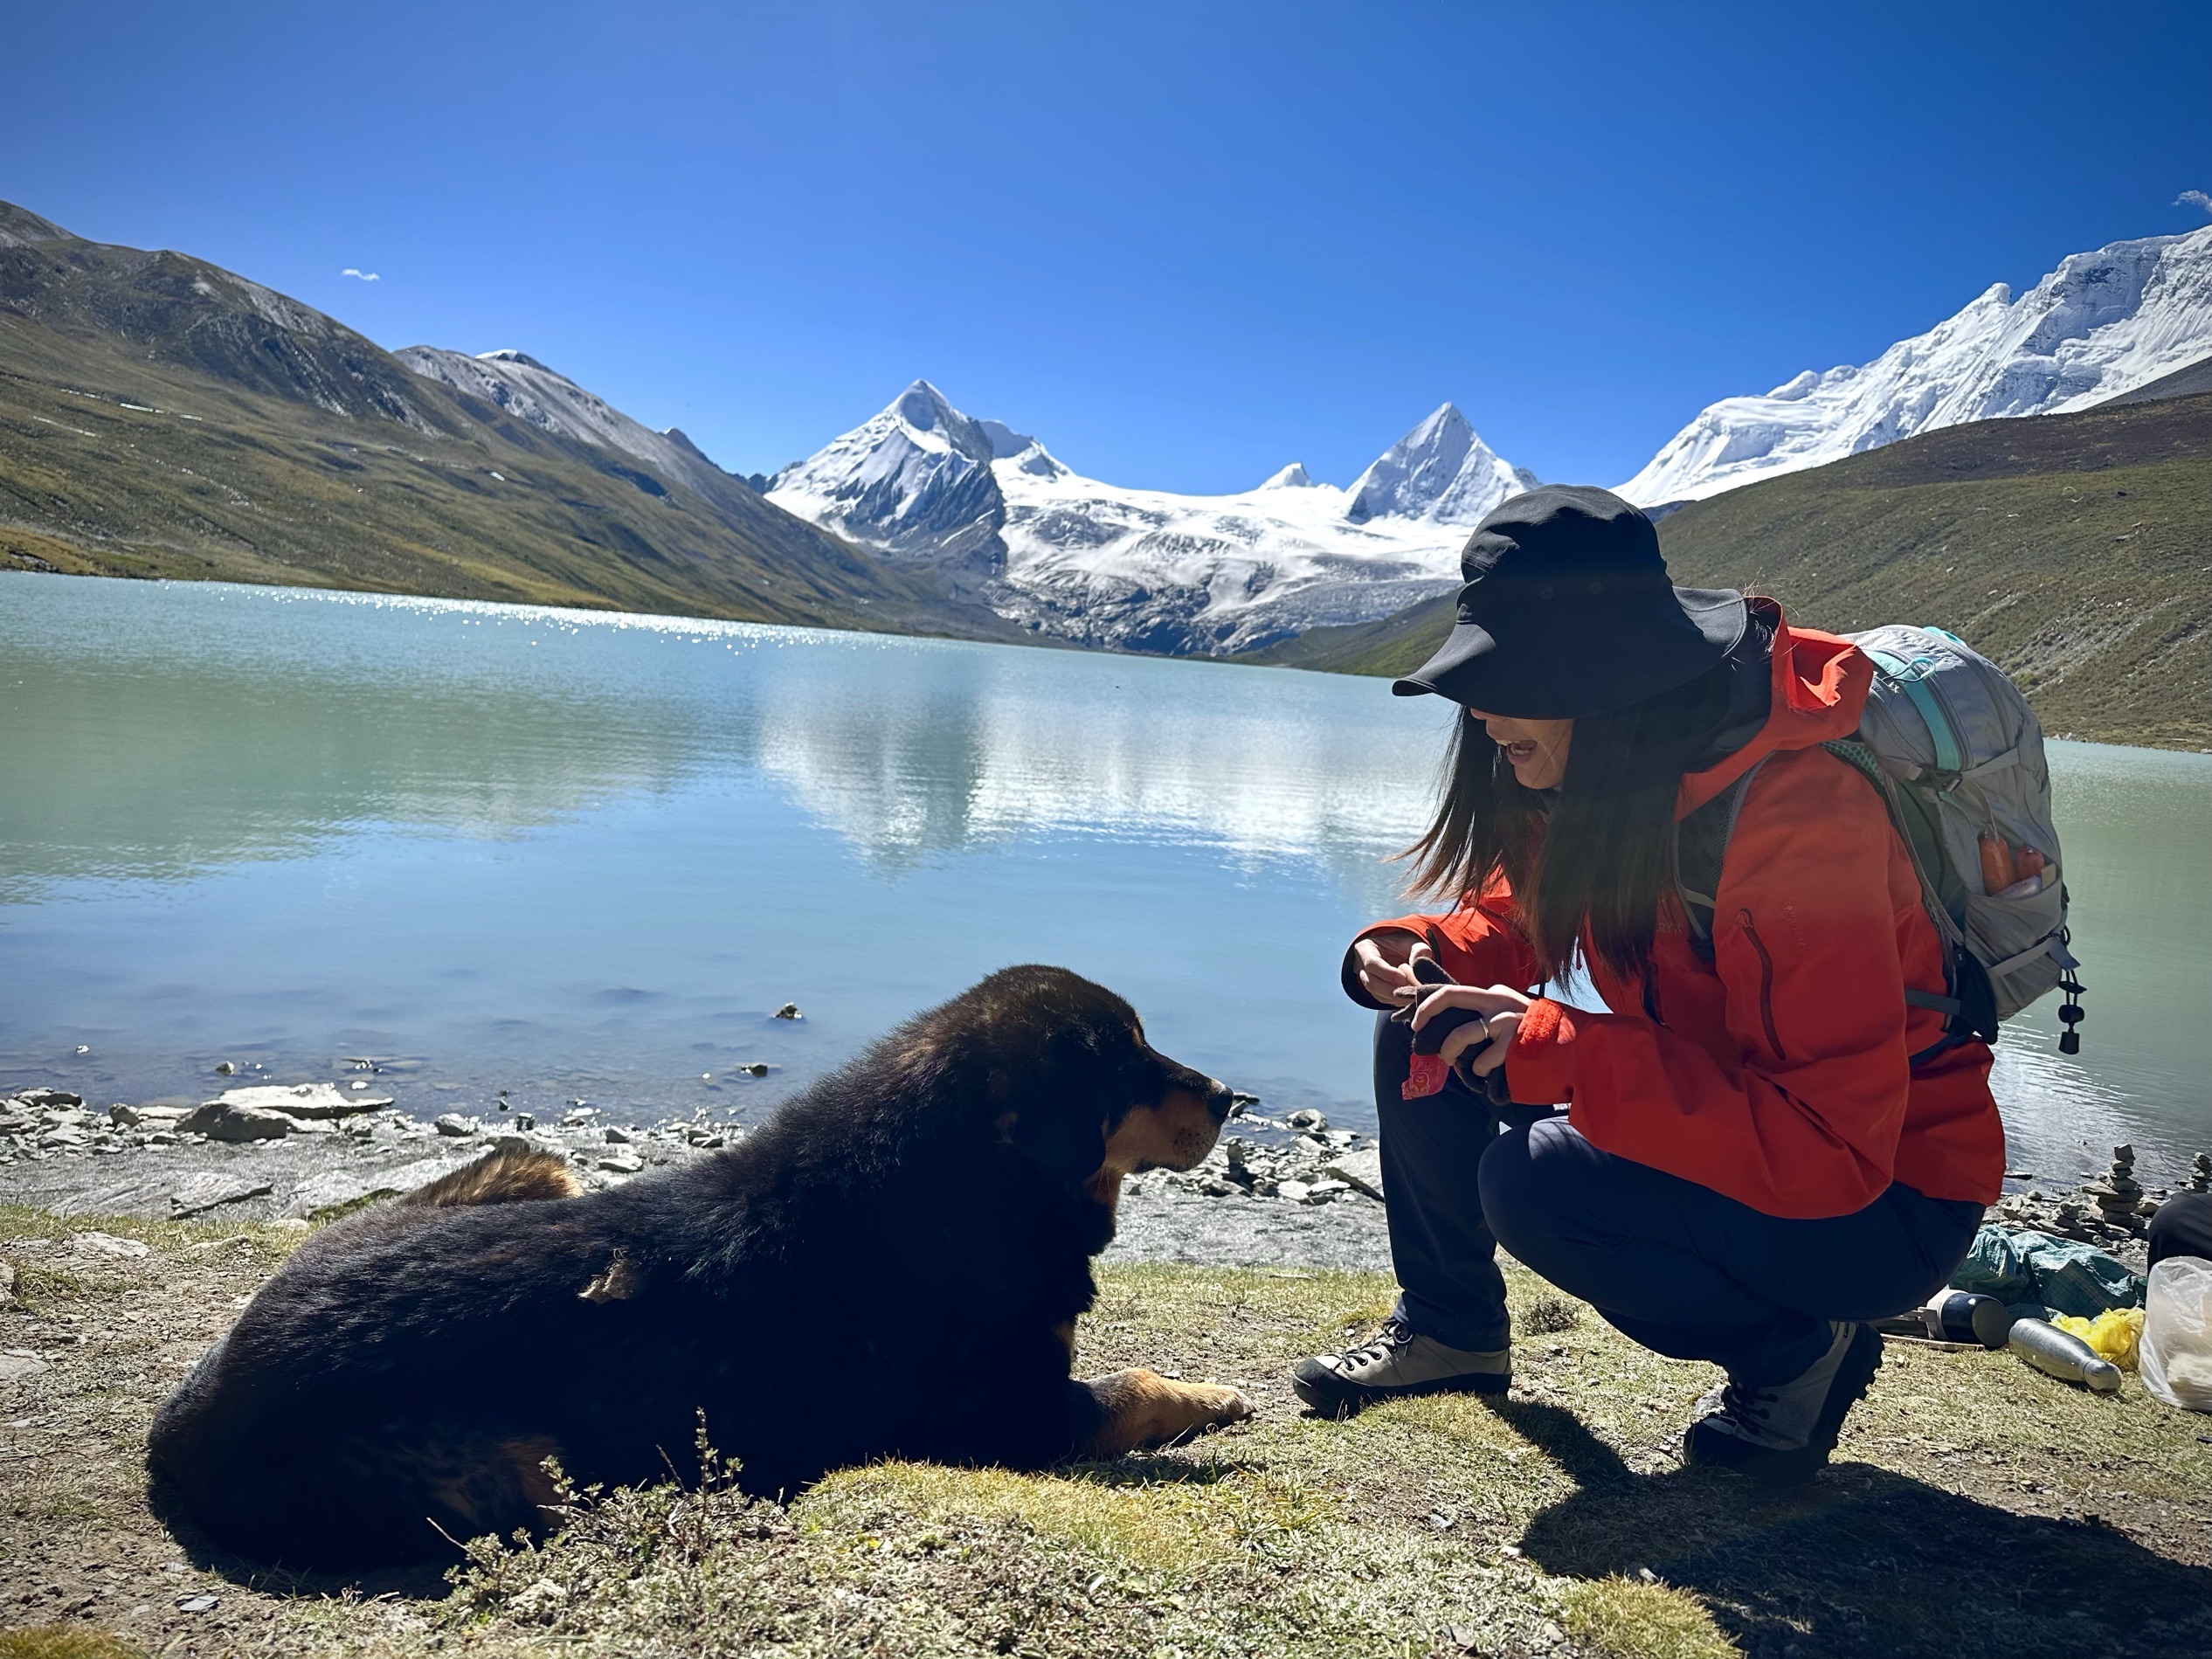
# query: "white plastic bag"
{"type": "Point", "coordinates": [2175, 1360]}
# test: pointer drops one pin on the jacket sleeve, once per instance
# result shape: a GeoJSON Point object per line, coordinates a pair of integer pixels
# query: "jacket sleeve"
{"type": "Point", "coordinates": [1816, 906]}
{"type": "Point", "coordinates": [1478, 944]}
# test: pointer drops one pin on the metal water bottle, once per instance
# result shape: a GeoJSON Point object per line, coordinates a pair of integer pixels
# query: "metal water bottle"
{"type": "Point", "coordinates": [2050, 1349]}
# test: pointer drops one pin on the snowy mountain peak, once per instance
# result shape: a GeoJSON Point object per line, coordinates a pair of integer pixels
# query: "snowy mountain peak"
{"type": "Point", "coordinates": [2101, 324]}
{"type": "Point", "coordinates": [507, 353]}
{"type": "Point", "coordinates": [1147, 570]}
{"type": "Point", "coordinates": [915, 480]}
{"type": "Point", "coordinates": [1441, 473]}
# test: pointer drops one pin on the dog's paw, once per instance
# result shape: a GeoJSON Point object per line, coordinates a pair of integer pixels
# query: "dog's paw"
{"type": "Point", "coordinates": [1145, 1410]}
{"type": "Point", "coordinates": [1221, 1404]}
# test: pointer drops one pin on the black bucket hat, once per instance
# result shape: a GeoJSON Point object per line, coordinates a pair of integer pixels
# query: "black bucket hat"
{"type": "Point", "coordinates": [1567, 611]}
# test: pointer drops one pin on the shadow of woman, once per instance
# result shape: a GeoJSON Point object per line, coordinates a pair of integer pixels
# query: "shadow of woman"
{"type": "Point", "coordinates": [1861, 1561]}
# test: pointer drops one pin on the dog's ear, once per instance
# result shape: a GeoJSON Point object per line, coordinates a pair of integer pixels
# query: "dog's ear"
{"type": "Point", "coordinates": [1064, 1134]}
{"type": "Point", "coordinates": [1052, 1097]}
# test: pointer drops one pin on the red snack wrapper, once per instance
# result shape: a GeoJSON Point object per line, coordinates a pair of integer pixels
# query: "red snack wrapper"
{"type": "Point", "coordinates": [1425, 1075]}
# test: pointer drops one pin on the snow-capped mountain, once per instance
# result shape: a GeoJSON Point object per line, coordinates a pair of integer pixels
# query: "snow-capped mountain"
{"type": "Point", "coordinates": [1440, 471]}
{"type": "Point", "coordinates": [2100, 325]}
{"type": "Point", "coordinates": [1148, 569]}
{"type": "Point", "coordinates": [551, 402]}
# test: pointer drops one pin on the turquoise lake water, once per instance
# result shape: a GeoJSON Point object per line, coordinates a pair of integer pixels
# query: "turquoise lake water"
{"type": "Point", "coordinates": [577, 856]}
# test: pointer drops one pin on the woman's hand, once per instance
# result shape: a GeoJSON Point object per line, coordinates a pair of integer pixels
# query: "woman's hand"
{"type": "Point", "coordinates": [1385, 964]}
{"type": "Point", "coordinates": [1501, 1008]}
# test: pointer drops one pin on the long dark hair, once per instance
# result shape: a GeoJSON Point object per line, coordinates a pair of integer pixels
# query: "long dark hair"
{"type": "Point", "coordinates": [1593, 857]}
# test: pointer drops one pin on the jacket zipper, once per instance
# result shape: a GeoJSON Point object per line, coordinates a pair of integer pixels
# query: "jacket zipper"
{"type": "Point", "coordinates": [1765, 982]}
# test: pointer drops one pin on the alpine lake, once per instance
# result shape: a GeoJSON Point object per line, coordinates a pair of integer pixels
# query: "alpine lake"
{"type": "Point", "coordinates": [516, 858]}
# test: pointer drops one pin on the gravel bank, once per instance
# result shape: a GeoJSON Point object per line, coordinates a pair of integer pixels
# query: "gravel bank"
{"type": "Point", "coordinates": [1281, 1192]}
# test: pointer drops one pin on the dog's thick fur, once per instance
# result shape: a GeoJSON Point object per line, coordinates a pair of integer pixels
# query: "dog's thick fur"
{"type": "Point", "coordinates": [891, 1266]}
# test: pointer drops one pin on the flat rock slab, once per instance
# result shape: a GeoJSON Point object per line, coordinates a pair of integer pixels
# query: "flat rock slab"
{"type": "Point", "coordinates": [302, 1100]}
{"type": "Point", "coordinates": [338, 1186]}
{"type": "Point", "coordinates": [195, 1194]}
{"type": "Point", "coordinates": [221, 1120]}
{"type": "Point", "coordinates": [1361, 1168]}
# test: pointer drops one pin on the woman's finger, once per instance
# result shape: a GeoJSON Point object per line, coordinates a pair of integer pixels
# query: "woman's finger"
{"type": "Point", "coordinates": [1500, 1029]}
{"type": "Point", "coordinates": [1490, 1000]}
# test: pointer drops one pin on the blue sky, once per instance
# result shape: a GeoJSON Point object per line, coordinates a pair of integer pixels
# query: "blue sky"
{"type": "Point", "coordinates": [1183, 243]}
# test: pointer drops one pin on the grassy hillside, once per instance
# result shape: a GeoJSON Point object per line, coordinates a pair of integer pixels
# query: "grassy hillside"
{"type": "Point", "coordinates": [2074, 550]}
{"type": "Point", "coordinates": [160, 417]}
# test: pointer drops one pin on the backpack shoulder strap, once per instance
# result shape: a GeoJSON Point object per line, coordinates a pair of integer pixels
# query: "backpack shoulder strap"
{"type": "Point", "coordinates": [1701, 845]}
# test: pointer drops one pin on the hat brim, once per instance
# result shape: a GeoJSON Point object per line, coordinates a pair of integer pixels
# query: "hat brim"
{"type": "Point", "coordinates": [1477, 670]}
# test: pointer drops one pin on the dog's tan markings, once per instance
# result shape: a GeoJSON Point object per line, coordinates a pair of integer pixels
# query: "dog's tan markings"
{"type": "Point", "coordinates": [622, 1280]}
{"type": "Point", "coordinates": [500, 1177]}
{"type": "Point", "coordinates": [1175, 1132]}
{"type": "Point", "coordinates": [1144, 1409]}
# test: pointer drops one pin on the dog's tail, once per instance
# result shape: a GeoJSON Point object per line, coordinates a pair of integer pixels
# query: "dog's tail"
{"type": "Point", "coordinates": [509, 1176]}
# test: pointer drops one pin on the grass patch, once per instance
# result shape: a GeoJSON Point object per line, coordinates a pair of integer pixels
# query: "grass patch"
{"type": "Point", "coordinates": [1977, 1510]}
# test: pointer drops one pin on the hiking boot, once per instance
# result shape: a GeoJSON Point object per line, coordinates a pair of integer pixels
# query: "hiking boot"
{"type": "Point", "coordinates": [1397, 1360]}
{"type": "Point", "coordinates": [1782, 1434]}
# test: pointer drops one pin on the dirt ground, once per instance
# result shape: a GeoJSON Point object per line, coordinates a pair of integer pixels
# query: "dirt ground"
{"type": "Point", "coordinates": [1976, 1508]}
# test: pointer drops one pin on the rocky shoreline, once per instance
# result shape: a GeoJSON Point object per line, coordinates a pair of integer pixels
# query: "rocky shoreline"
{"type": "Point", "coordinates": [1291, 1191]}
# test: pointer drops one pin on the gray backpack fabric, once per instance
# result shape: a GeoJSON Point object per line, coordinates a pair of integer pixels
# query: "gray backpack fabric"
{"type": "Point", "coordinates": [1954, 750]}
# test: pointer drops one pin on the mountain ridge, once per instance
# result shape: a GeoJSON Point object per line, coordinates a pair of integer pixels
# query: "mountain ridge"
{"type": "Point", "coordinates": [160, 416]}
{"type": "Point", "coordinates": [2072, 549]}
{"type": "Point", "coordinates": [2099, 325]}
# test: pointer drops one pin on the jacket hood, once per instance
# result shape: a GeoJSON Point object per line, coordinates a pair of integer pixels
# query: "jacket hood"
{"type": "Point", "coordinates": [1818, 692]}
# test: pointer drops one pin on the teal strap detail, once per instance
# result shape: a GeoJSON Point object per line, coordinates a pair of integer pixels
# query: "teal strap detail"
{"type": "Point", "coordinates": [1908, 678]}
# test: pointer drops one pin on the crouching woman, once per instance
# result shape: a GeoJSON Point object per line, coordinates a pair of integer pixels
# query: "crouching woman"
{"type": "Point", "coordinates": [1767, 1142]}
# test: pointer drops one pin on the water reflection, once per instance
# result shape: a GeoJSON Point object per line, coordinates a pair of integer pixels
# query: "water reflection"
{"type": "Point", "coordinates": [479, 833]}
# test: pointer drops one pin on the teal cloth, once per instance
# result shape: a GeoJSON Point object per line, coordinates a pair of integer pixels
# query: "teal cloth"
{"type": "Point", "coordinates": [2030, 1272]}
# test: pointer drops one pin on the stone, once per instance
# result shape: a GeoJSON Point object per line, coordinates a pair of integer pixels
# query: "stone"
{"type": "Point", "coordinates": [19, 1362]}
{"type": "Point", "coordinates": [197, 1194]}
{"type": "Point", "coordinates": [303, 1100]}
{"type": "Point", "coordinates": [1360, 1167]}
{"type": "Point", "coordinates": [621, 1161]}
{"type": "Point", "coordinates": [2201, 1173]}
{"type": "Point", "coordinates": [7, 1284]}
{"type": "Point", "coordinates": [222, 1120]}
{"type": "Point", "coordinates": [455, 1124]}
{"type": "Point", "coordinates": [198, 1603]}
{"type": "Point", "coordinates": [1326, 1192]}
{"type": "Point", "coordinates": [49, 1098]}
{"type": "Point", "coordinates": [1308, 1119]}
{"type": "Point", "coordinates": [617, 1135]}
{"type": "Point", "coordinates": [125, 1115]}
{"type": "Point", "coordinates": [1294, 1191]}
{"type": "Point", "coordinates": [108, 1245]}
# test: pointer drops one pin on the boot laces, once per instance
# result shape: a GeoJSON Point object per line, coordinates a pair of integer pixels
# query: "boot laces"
{"type": "Point", "coordinates": [1390, 1336]}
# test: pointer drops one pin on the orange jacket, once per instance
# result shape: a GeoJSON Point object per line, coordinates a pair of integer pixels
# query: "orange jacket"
{"type": "Point", "coordinates": [1777, 1074]}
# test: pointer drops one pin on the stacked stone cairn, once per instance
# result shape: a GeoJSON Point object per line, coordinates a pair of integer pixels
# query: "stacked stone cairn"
{"type": "Point", "coordinates": [2117, 1194]}
{"type": "Point", "coordinates": [2201, 1173]}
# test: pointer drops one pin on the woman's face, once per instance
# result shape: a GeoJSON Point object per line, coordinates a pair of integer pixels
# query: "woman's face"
{"type": "Point", "coordinates": [1538, 748]}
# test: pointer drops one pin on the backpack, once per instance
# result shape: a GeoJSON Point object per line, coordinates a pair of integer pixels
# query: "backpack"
{"type": "Point", "coordinates": [1957, 757]}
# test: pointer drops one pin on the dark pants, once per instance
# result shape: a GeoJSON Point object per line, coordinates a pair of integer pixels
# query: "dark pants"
{"type": "Point", "coordinates": [2182, 1226]}
{"type": "Point", "coordinates": [1676, 1266]}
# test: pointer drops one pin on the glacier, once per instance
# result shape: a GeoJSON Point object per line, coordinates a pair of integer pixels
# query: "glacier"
{"type": "Point", "coordinates": [1006, 522]}
{"type": "Point", "coordinates": [2100, 325]}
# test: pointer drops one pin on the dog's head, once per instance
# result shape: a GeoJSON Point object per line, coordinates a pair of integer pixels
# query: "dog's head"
{"type": "Point", "coordinates": [1069, 1080]}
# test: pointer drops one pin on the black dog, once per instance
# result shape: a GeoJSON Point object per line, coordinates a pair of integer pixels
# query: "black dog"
{"type": "Point", "coordinates": [891, 1266]}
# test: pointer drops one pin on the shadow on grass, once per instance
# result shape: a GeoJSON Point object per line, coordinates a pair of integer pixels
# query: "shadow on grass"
{"type": "Point", "coordinates": [1861, 1561]}
{"type": "Point", "coordinates": [424, 1581]}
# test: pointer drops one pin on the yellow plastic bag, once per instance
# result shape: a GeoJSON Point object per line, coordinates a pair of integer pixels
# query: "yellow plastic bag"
{"type": "Point", "coordinates": [2113, 1334]}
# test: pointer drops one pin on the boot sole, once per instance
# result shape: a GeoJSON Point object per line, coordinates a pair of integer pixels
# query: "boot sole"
{"type": "Point", "coordinates": [1342, 1399]}
{"type": "Point", "coordinates": [1781, 1470]}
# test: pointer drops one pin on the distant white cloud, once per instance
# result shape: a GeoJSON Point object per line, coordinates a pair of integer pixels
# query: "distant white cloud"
{"type": "Point", "coordinates": [371, 276]}
{"type": "Point", "coordinates": [2193, 198]}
